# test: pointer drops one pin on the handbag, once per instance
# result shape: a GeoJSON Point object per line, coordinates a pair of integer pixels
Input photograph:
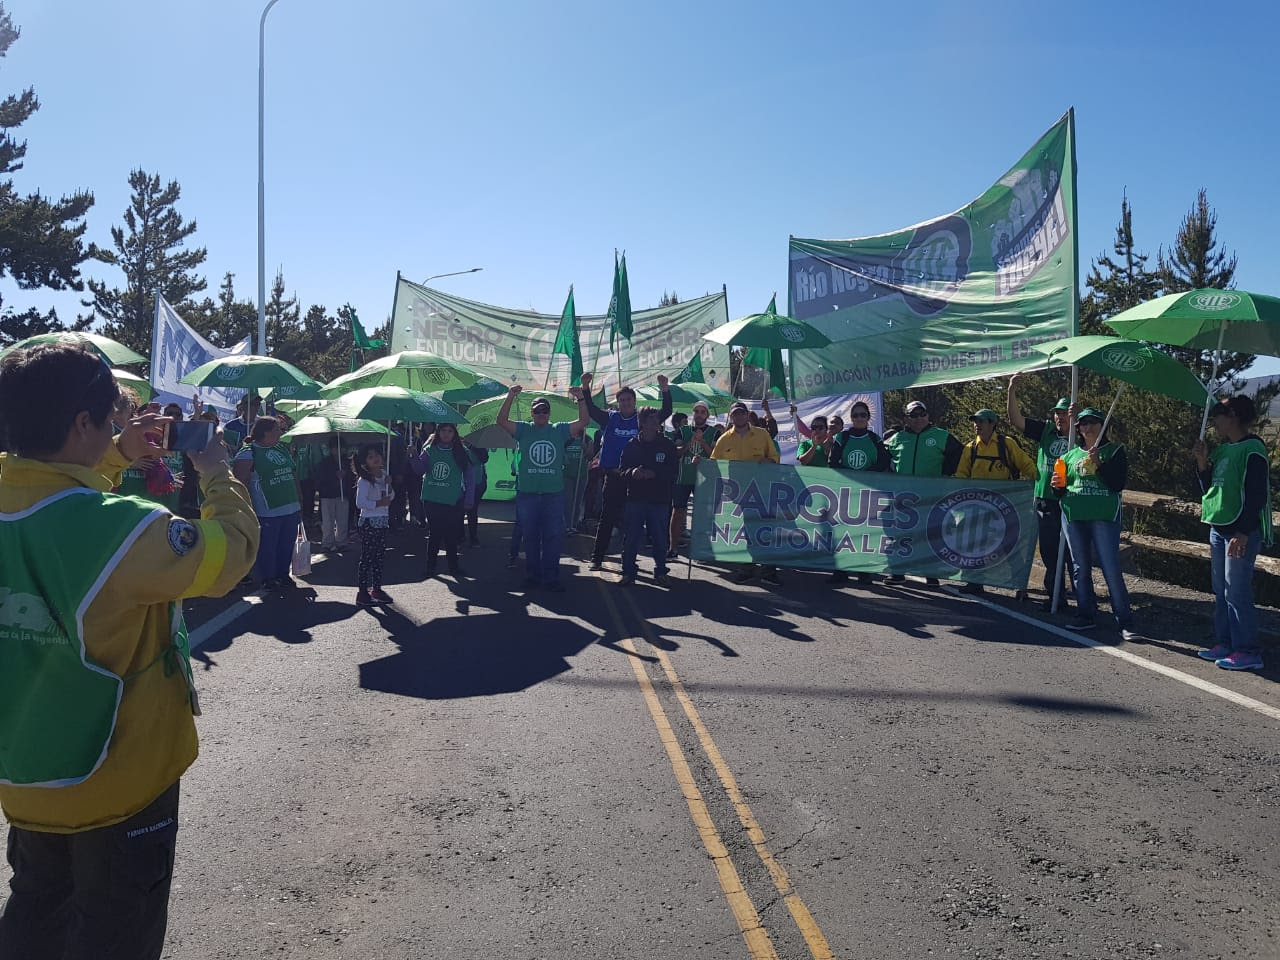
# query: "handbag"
{"type": "Point", "coordinates": [301, 565]}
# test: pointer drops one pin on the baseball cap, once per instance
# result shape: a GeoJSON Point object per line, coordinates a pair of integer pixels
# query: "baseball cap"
{"type": "Point", "coordinates": [739, 405]}
{"type": "Point", "coordinates": [1063, 404]}
{"type": "Point", "coordinates": [915, 406]}
{"type": "Point", "coordinates": [540, 402]}
{"type": "Point", "coordinates": [1242, 408]}
{"type": "Point", "coordinates": [1089, 413]}
{"type": "Point", "coordinates": [985, 414]}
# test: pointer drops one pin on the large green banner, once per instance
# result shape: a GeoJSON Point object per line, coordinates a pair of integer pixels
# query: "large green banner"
{"type": "Point", "coordinates": [961, 297]}
{"type": "Point", "coordinates": [818, 518]}
{"type": "Point", "coordinates": [514, 346]}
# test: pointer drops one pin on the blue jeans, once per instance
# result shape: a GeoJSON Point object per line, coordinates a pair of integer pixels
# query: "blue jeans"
{"type": "Point", "coordinates": [275, 548]}
{"type": "Point", "coordinates": [1098, 541]}
{"type": "Point", "coordinates": [1235, 622]}
{"type": "Point", "coordinates": [639, 516]}
{"type": "Point", "coordinates": [541, 518]}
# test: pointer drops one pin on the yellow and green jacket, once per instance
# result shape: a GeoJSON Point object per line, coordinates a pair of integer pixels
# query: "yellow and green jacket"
{"type": "Point", "coordinates": [127, 630]}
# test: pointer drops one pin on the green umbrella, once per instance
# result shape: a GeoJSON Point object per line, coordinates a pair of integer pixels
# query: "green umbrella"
{"type": "Point", "coordinates": [1129, 361]}
{"type": "Point", "coordinates": [773, 330]}
{"type": "Point", "coordinates": [247, 372]}
{"type": "Point", "coordinates": [137, 384]}
{"type": "Point", "coordinates": [1206, 319]}
{"type": "Point", "coordinates": [685, 395]}
{"type": "Point", "coordinates": [411, 369]}
{"type": "Point", "coordinates": [315, 426]}
{"type": "Point", "coordinates": [392, 403]}
{"type": "Point", "coordinates": [310, 391]}
{"type": "Point", "coordinates": [292, 407]}
{"type": "Point", "coordinates": [105, 347]}
{"type": "Point", "coordinates": [481, 427]}
{"type": "Point", "coordinates": [482, 389]}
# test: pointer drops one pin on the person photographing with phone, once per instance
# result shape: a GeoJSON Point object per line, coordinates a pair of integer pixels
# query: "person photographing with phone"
{"type": "Point", "coordinates": [97, 704]}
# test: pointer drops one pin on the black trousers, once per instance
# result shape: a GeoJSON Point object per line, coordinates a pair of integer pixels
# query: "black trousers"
{"type": "Point", "coordinates": [1049, 517]}
{"type": "Point", "coordinates": [445, 520]}
{"type": "Point", "coordinates": [98, 895]}
{"type": "Point", "coordinates": [612, 510]}
{"type": "Point", "coordinates": [473, 515]}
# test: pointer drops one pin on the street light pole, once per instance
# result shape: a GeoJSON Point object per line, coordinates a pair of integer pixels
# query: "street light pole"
{"type": "Point", "coordinates": [456, 273]}
{"type": "Point", "coordinates": [262, 236]}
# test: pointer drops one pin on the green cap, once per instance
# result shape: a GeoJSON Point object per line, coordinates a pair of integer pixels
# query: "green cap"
{"type": "Point", "coordinates": [985, 414]}
{"type": "Point", "coordinates": [1064, 403]}
{"type": "Point", "coordinates": [1090, 413]}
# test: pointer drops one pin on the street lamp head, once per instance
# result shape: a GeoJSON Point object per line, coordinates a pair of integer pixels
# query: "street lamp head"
{"type": "Point", "coordinates": [455, 273]}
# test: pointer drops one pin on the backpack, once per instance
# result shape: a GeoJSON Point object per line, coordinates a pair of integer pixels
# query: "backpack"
{"type": "Point", "coordinates": [1002, 454]}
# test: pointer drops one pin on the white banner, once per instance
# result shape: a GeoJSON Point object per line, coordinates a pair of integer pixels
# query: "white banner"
{"type": "Point", "coordinates": [176, 350]}
{"type": "Point", "coordinates": [837, 406]}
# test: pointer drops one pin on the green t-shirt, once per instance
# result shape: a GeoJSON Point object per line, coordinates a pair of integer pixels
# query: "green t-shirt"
{"type": "Point", "coordinates": [444, 480]}
{"type": "Point", "coordinates": [820, 459]}
{"type": "Point", "coordinates": [858, 453]}
{"type": "Point", "coordinates": [1050, 448]}
{"type": "Point", "coordinates": [542, 458]}
{"type": "Point", "coordinates": [710, 434]}
{"type": "Point", "coordinates": [1087, 497]}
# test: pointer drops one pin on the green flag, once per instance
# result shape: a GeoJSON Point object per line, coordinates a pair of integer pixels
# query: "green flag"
{"type": "Point", "coordinates": [693, 372]}
{"type": "Point", "coordinates": [567, 341]}
{"type": "Point", "coordinates": [361, 338]}
{"type": "Point", "coordinates": [620, 305]}
{"type": "Point", "coordinates": [964, 296]}
{"type": "Point", "coordinates": [770, 360]}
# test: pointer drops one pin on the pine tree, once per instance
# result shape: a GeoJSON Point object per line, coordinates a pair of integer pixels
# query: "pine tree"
{"type": "Point", "coordinates": [149, 248]}
{"type": "Point", "coordinates": [1193, 263]}
{"type": "Point", "coordinates": [1125, 284]}
{"type": "Point", "coordinates": [41, 240]}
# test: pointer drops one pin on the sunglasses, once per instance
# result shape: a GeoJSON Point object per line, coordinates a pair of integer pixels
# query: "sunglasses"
{"type": "Point", "coordinates": [859, 416]}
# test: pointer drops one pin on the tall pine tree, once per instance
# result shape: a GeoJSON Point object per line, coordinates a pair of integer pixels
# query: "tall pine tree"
{"type": "Point", "coordinates": [41, 240]}
{"type": "Point", "coordinates": [149, 248]}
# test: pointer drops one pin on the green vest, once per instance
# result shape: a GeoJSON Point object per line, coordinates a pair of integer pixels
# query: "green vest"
{"type": "Point", "coordinates": [541, 464]}
{"type": "Point", "coordinates": [688, 472]}
{"type": "Point", "coordinates": [918, 454]}
{"type": "Point", "coordinates": [274, 468]}
{"type": "Point", "coordinates": [858, 453]}
{"type": "Point", "coordinates": [133, 483]}
{"type": "Point", "coordinates": [1224, 499]}
{"type": "Point", "coordinates": [1050, 449]}
{"type": "Point", "coordinates": [443, 482]}
{"type": "Point", "coordinates": [1087, 497]}
{"type": "Point", "coordinates": [58, 708]}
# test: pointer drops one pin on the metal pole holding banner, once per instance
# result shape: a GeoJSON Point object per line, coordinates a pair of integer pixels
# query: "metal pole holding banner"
{"type": "Point", "coordinates": [1062, 519]}
{"type": "Point", "coordinates": [262, 235]}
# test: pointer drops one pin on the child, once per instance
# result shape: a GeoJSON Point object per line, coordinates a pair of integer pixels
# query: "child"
{"type": "Point", "coordinates": [373, 497]}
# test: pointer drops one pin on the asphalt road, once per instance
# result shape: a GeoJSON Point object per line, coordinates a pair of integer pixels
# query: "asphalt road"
{"type": "Point", "coordinates": [714, 771]}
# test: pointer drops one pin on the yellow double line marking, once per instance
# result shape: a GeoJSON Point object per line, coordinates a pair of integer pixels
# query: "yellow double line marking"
{"type": "Point", "coordinates": [754, 933]}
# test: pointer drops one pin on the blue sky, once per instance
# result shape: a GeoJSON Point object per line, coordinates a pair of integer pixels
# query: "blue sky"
{"type": "Point", "coordinates": [533, 139]}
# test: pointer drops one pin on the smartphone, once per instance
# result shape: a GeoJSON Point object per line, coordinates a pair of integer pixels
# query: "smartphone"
{"type": "Point", "coordinates": [188, 435]}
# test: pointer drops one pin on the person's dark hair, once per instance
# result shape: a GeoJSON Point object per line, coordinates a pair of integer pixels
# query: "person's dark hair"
{"type": "Point", "coordinates": [618, 395]}
{"type": "Point", "coordinates": [1242, 408]}
{"type": "Point", "coordinates": [459, 451]}
{"type": "Point", "coordinates": [859, 404]}
{"type": "Point", "coordinates": [177, 408]}
{"type": "Point", "coordinates": [360, 456]}
{"type": "Point", "coordinates": [679, 419]}
{"type": "Point", "coordinates": [42, 391]}
{"type": "Point", "coordinates": [262, 426]}
{"type": "Point", "coordinates": [210, 414]}
{"type": "Point", "coordinates": [837, 419]}
{"type": "Point", "coordinates": [818, 422]}
{"type": "Point", "coordinates": [644, 413]}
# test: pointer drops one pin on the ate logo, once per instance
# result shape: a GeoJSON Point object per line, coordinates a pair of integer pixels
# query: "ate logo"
{"type": "Point", "coordinates": [855, 459]}
{"type": "Point", "coordinates": [441, 471]}
{"type": "Point", "coordinates": [1058, 447]}
{"type": "Point", "coordinates": [791, 334]}
{"type": "Point", "coordinates": [931, 442]}
{"type": "Point", "coordinates": [230, 373]}
{"type": "Point", "coordinates": [973, 529]}
{"type": "Point", "coordinates": [278, 458]}
{"type": "Point", "coordinates": [542, 453]}
{"type": "Point", "coordinates": [1213, 302]}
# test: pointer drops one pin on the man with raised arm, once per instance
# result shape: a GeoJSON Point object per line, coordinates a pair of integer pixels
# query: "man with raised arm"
{"type": "Point", "coordinates": [619, 427]}
{"type": "Point", "coordinates": [540, 483]}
